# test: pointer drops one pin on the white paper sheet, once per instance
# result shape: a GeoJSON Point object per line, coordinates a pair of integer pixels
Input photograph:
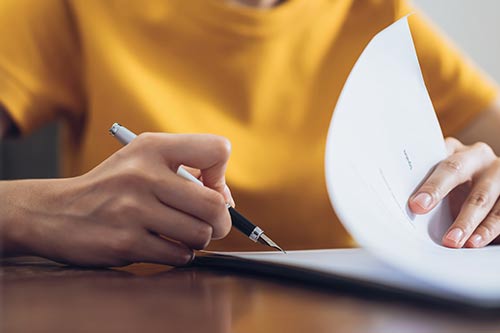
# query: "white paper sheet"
{"type": "Point", "coordinates": [357, 264]}
{"type": "Point", "coordinates": [383, 140]}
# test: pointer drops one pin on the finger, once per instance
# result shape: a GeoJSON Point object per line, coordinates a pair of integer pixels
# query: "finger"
{"type": "Point", "coordinates": [206, 152]}
{"type": "Point", "coordinates": [452, 145]}
{"type": "Point", "coordinates": [178, 226]}
{"type": "Point", "coordinates": [200, 202]}
{"type": "Point", "coordinates": [488, 230]}
{"type": "Point", "coordinates": [155, 249]}
{"type": "Point", "coordinates": [197, 173]}
{"type": "Point", "coordinates": [230, 196]}
{"type": "Point", "coordinates": [476, 207]}
{"type": "Point", "coordinates": [193, 171]}
{"type": "Point", "coordinates": [453, 171]}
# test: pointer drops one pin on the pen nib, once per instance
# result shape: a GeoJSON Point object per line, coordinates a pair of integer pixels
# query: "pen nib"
{"type": "Point", "coordinates": [267, 241]}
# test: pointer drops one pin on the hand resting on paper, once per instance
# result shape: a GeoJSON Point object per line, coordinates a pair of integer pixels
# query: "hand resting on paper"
{"type": "Point", "coordinates": [471, 177]}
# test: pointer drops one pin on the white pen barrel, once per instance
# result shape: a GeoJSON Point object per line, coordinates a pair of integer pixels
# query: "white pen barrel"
{"type": "Point", "coordinates": [253, 232]}
{"type": "Point", "coordinates": [122, 134]}
{"type": "Point", "coordinates": [185, 174]}
{"type": "Point", "coordinates": [125, 136]}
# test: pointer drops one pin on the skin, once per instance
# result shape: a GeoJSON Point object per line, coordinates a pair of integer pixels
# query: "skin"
{"type": "Point", "coordinates": [114, 214]}
{"type": "Point", "coordinates": [470, 176]}
{"type": "Point", "coordinates": [133, 205]}
{"type": "Point", "coordinates": [136, 209]}
{"type": "Point", "coordinates": [134, 196]}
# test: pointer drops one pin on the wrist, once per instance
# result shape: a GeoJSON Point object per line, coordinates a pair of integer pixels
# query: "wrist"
{"type": "Point", "coordinates": [13, 223]}
{"type": "Point", "coordinates": [27, 206]}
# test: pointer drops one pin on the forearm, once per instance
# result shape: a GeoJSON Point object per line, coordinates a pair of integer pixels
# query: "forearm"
{"type": "Point", "coordinates": [12, 228]}
{"type": "Point", "coordinates": [13, 220]}
{"type": "Point", "coordinates": [485, 128]}
{"type": "Point", "coordinates": [30, 212]}
{"type": "Point", "coordinates": [133, 207]}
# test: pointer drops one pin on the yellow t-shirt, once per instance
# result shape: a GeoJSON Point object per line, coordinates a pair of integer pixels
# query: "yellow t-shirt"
{"type": "Point", "coordinates": [266, 79]}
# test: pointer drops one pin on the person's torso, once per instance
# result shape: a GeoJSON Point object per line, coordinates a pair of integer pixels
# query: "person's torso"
{"type": "Point", "coordinates": [268, 80]}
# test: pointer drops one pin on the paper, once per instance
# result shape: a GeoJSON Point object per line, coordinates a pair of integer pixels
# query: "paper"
{"type": "Point", "coordinates": [358, 264]}
{"type": "Point", "coordinates": [383, 140]}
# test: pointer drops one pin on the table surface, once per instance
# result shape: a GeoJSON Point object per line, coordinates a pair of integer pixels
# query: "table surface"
{"type": "Point", "coordinates": [41, 296]}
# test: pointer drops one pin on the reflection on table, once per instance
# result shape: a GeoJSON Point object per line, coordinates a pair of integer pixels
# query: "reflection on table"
{"type": "Point", "coordinates": [42, 296]}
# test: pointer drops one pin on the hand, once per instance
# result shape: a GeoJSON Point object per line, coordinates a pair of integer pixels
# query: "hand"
{"type": "Point", "coordinates": [471, 177]}
{"type": "Point", "coordinates": [131, 208]}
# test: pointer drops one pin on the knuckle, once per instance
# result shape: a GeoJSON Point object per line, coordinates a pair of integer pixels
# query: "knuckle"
{"type": "Point", "coordinates": [218, 215]}
{"type": "Point", "coordinates": [453, 165]}
{"type": "Point", "coordinates": [466, 225]}
{"type": "Point", "coordinates": [495, 214]}
{"type": "Point", "coordinates": [124, 207]}
{"type": "Point", "coordinates": [452, 144]}
{"type": "Point", "coordinates": [145, 139]}
{"type": "Point", "coordinates": [122, 243]}
{"type": "Point", "coordinates": [184, 257]}
{"type": "Point", "coordinates": [486, 230]}
{"type": "Point", "coordinates": [128, 207]}
{"type": "Point", "coordinates": [226, 226]}
{"type": "Point", "coordinates": [134, 173]}
{"type": "Point", "coordinates": [452, 140]}
{"type": "Point", "coordinates": [216, 203]}
{"type": "Point", "coordinates": [222, 147]}
{"type": "Point", "coordinates": [479, 198]}
{"type": "Point", "coordinates": [202, 237]}
{"type": "Point", "coordinates": [223, 225]}
{"type": "Point", "coordinates": [179, 255]}
{"type": "Point", "coordinates": [434, 189]}
{"type": "Point", "coordinates": [483, 148]}
{"type": "Point", "coordinates": [496, 163]}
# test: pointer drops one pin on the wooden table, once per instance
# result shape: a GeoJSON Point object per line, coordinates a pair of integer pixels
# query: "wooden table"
{"type": "Point", "coordinates": [41, 296]}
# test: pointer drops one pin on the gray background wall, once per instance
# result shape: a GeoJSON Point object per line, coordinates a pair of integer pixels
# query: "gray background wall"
{"type": "Point", "coordinates": [472, 24]}
{"type": "Point", "coordinates": [31, 157]}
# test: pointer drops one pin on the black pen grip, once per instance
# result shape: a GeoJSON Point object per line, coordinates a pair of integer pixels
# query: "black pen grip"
{"type": "Point", "coordinates": [240, 222]}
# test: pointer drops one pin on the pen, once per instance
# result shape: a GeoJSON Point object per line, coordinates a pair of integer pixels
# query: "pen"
{"type": "Point", "coordinates": [256, 234]}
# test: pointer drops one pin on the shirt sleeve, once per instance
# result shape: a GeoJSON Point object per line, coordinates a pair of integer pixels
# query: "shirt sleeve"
{"type": "Point", "coordinates": [39, 62]}
{"type": "Point", "coordinates": [458, 89]}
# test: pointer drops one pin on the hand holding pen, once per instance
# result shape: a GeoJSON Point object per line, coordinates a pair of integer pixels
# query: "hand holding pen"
{"type": "Point", "coordinates": [154, 197]}
{"type": "Point", "coordinates": [132, 207]}
{"type": "Point", "coordinates": [241, 223]}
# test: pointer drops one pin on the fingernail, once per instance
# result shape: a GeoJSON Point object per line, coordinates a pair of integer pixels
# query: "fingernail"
{"type": "Point", "coordinates": [193, 255]}
{"type": "Point", "coordinates": [423, 199]}
{"type": "Point", "coordinates": [455, 235]}
{"type": "Point", "coordinates": [476, 240]}
{"type": "Point", "coordinates": [228, 196]}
